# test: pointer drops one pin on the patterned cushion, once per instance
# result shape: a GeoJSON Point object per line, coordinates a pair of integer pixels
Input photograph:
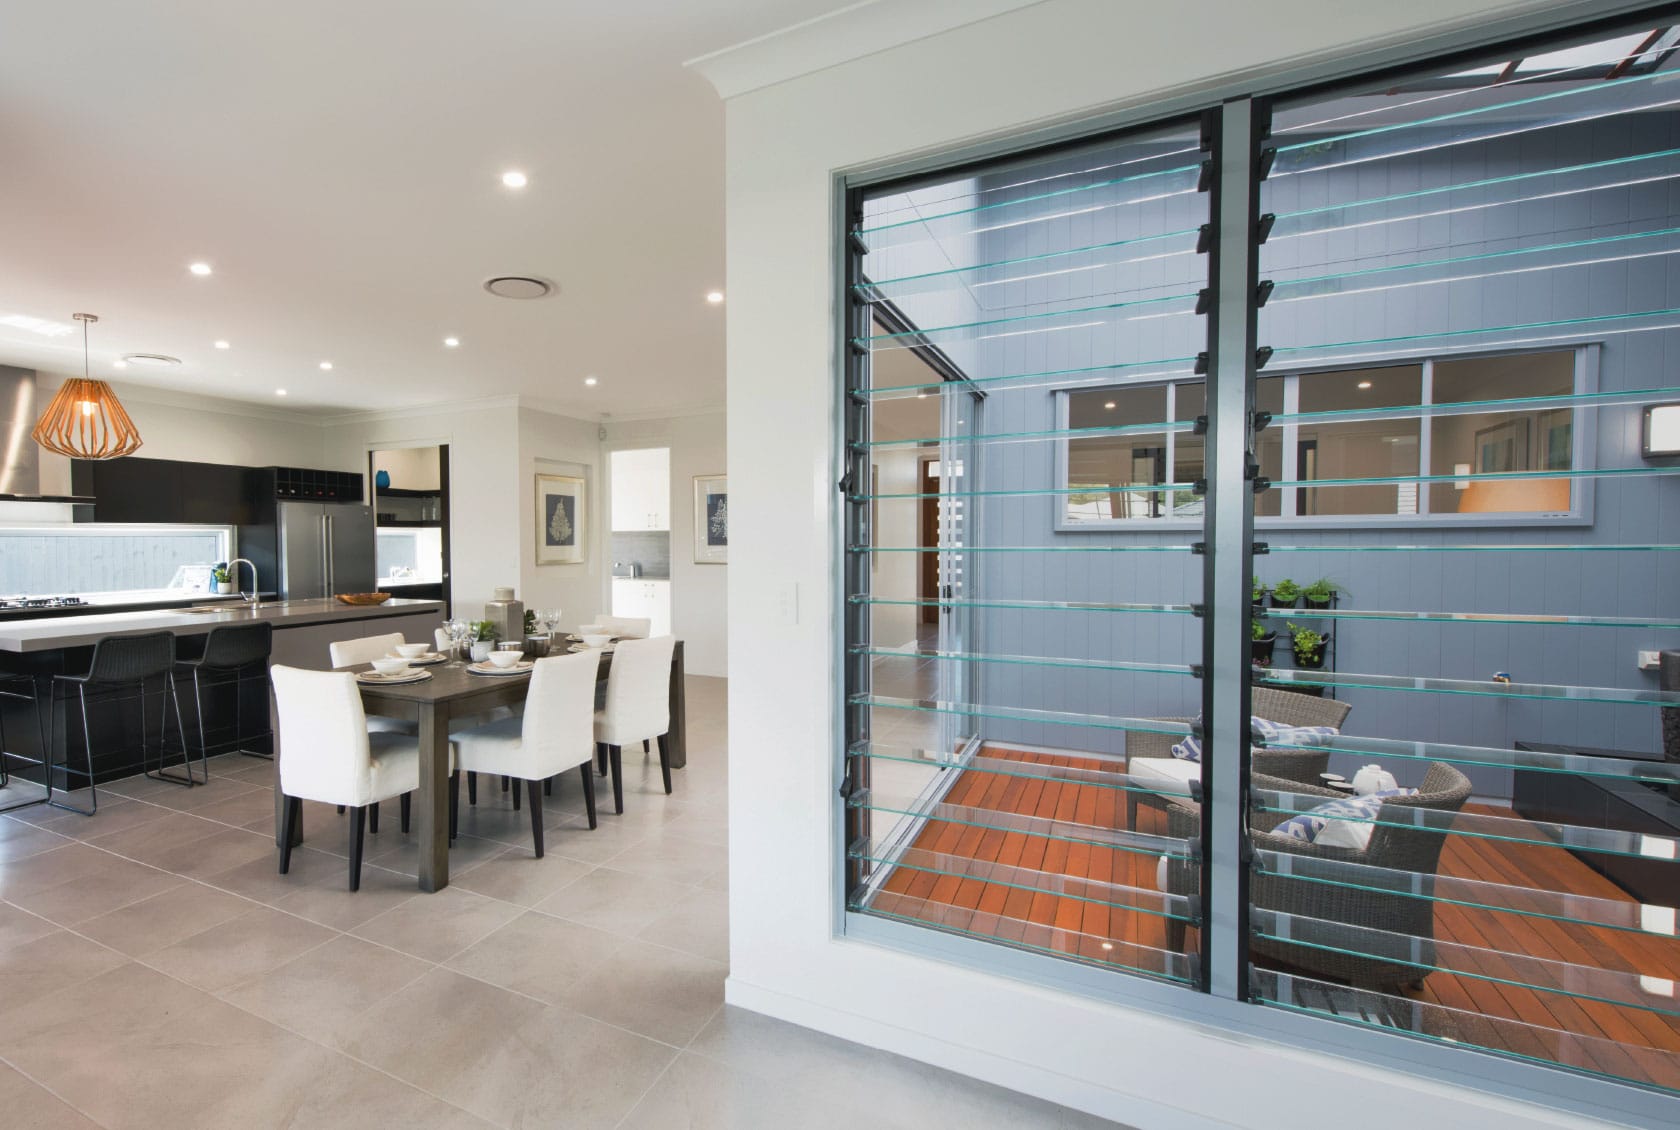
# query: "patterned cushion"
{"type": "Point", "coordinates": [1345, 822]}
{"type": "Point", "coordinates": [1272, 733]}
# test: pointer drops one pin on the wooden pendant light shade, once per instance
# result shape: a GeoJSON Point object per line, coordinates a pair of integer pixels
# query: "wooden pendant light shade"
{"type": "Point", "coordinates": [86, 420]}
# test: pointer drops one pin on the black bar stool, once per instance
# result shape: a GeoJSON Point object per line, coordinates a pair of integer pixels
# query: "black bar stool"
{"type": "Point", "coordinates": [230, 652]}
{"type": "Point", "coordinates": [22, 688]}
{"type": "Point", "coordinates": [120, 663]}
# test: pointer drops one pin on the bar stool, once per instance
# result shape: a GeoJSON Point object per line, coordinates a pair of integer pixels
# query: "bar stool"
{"type": "Point", "coordinates": [120, 663]}
{"type": "Point", "coordinates": [229, 652]}
{"type": "Point", "coordinates": [22, 688]}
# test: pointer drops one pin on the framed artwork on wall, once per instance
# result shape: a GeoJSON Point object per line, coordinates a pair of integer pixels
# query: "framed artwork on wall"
{"type": "Point", "coordinates": [711, 519]}
{"type": "Point", "coordinates": [562, 519]}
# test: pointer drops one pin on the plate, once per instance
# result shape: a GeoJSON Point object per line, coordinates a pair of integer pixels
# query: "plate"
{"type": "Point", "coordinates": [425, 660]}
{"type": "Point", "coordinates": [374, 678]}
{"type": "Point", "coordinates": [523, 667]}
{"type": "Point", "coordinates": [580, 646]}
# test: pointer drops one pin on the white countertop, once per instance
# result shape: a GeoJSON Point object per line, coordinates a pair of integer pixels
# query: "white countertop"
{"type": "Point", "coordinates": [53, 633]}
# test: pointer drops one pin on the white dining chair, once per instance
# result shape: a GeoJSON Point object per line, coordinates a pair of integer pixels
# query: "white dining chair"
{"type": "Point", "coordinates": [556, 733]}
{"type": "Point", "coordinates": [328, 754]}
{"type": "Point", "coordinates": [638, 706]}
{"type": "Point", "coordinates": [626, 627]}
{"type": "Point", "coordinates": [354, 653]}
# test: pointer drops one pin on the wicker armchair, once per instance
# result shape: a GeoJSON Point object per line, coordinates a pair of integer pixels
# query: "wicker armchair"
{"type": "Point", "coordinates": [1287, 707]}
{"type": "Point", "coordinates": [1393, 846]}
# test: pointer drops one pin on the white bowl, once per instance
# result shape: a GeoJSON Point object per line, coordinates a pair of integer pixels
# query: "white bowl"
{"type": "Point", "coordinates": [596, 639]}
{"type": "Point", "coordinates": [590, 629]}
{"type": "Point", "coordinates": [504, 659]}
{"type": "Point", "coordinates": [390, 666]}
{"type": "Point", "coordinates": [411, 650]}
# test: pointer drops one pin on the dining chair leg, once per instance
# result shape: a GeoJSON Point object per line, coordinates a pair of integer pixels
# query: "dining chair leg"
{"type": "Point", "coordinates": [472, 788]}
{"type": "Point", "coordinates": [516, 792]}
{"type": "Point", "coordinates": [341, 810]}
{"type": "Point", "coordinates": [454, 805]}
{"type": "Point", "coordinates": [505, 784]}
{"type": "Point", "coordinates": [358, 823]}
{"type": "Point", "coordinates": [404, 806]}
{"type": "Point", "coordinates": [645, 745]}
{"type": "Point", "coordinates": [665, 761]}
{"type": "Point", "coordinates": [615, 758]}
{"type": "Point", "coordinates": [588, 772]}
{"type": "Point", "coordinates": [289, 807]}
{"type": "Point", "coordinates": [548, 786]}
{"type": "Point", "coordinates": [373, 818]}
{"type": "Point", "coordinates": [534, 788]}
{"type": "Point", "coordinates": [601, 757]}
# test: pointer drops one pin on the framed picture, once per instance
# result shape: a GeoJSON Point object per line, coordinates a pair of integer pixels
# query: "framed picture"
{"type": "Point", "coordinates": [562, 519]}
{"type": "Point", "coordinates": [711, 519]}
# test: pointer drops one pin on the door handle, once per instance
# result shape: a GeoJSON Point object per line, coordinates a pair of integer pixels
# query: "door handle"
{"type": "Point", "coordinates": [331, 586]}
{"type": "Point", "coordinates": [325, 565]}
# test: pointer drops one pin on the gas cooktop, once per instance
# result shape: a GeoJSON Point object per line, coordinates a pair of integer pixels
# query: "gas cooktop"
{"type": "Point", "coordinates": [15, 603]}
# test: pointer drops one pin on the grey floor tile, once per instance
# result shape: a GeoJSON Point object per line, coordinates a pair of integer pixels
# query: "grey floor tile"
{"type": "Point", "coordinates": [673, 857]}
{"type": "Point", "coordinates": [29, 1106]}
{"type": "Point", "coordinates": [178, 913]}
{"type": "Point", "coordinates": [321, 992]}
{"type": "Point", "coordinates": [50, 963]}
{"type": "Point", "coordinates": [698, 924]}
{"type": "Point", "coordinates": [440, 925]}
{"type": "Point", "coordinates": [615, 901]}
{"type": "Point", "coordinates": [518, 876]}
{"type": "Point", "coordinates": [20, 841]}
{"type": "Point", "coordinates": [115, 883]}
{"type": "Point", "coordinates": [324, 895]}
{"type": "Point", "coordinates": [18, 926]}
{"type": "Point", "coordinates": [235, 951]}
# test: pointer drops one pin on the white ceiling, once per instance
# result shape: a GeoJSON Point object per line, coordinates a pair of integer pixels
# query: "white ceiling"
{"type": "Point", "coordinates": [338, 164]}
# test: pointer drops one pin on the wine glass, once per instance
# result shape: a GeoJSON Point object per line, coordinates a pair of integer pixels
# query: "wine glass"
{"type": "Point", "coordinates": [550, 621]}
{"type": "Point", "coordinates": [458, 630]}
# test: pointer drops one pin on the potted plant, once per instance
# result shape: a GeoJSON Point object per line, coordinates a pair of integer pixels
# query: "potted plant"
{"type": "Point", "coordinates": [1261, 641]}
{"type": "Point", "coordinates": [221, 578]}
{"type": "Point", "coordinates": [483, 639]}
{"type": "Point", "coordinates": [1309, 647]}
{"type": "Point", "coordinates": [1320, 593]}
{"type": "Point", "coordinates": [1259, 593]}
{"type": "Point", "coordinates": [1286, 594]}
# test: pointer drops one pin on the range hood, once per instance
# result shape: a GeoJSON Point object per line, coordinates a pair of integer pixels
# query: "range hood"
{"type": "Point", "coordinates": [20, 456]}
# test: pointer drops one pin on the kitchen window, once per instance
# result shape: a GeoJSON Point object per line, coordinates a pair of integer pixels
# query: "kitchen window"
{"type": "Point", "coordinates": [108, 559]}
{"type": "Point", "coordinates": [1379, 438]}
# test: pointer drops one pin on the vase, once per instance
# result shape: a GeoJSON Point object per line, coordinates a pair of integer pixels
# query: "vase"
{"type": "Point", "coordinates": [382, 479]}
{"type": "Point", "coordinates": [224, 588]}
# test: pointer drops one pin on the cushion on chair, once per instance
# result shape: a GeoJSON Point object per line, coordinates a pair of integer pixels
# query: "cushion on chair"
{"type": "Point", "coordinates": [1346, 822]}
{"type": "Point", "coordinates": [1164, 775]}
{"type": "Point", "coordinates": [1189, 748]}
{"type": "Point", "coordinates": [396, 766]}
{"type": "Point", "coordinates": [491, 747]}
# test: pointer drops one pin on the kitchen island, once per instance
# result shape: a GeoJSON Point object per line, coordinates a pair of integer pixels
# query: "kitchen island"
{"type": "Point", "coordinates": [237, 715]}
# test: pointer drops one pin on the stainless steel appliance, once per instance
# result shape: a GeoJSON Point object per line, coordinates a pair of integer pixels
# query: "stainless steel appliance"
{"type": "Point", "coordinates": [325, 548]}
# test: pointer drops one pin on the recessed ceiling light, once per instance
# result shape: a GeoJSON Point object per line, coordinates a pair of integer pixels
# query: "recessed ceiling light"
{"type": "Point", "coordinates": [591, 381]}
{"type": "Point", "coordinates": [222, 345]}
{"type": "Point", "coordinates": [1364, 384]}
{"type": "Point", "coordinates": [1110, 405]}
{"type": "Point", "coordinates": [513, 178]}
{"type": "Point", "coordinates": [326, 364]}
{"type": "Point", "coordinates": [451, 342]}
{"type": "Point", "coordinates": [199, 269]}
{"type": "Point", "coordinates": [714, 296]}
{"type": "Point", "coordinates": [279, 392]}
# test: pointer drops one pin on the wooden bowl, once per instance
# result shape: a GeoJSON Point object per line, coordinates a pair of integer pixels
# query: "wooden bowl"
{"type": "Point", "coordinates": [363, 597]}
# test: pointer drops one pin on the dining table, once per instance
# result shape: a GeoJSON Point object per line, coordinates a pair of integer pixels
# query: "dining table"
{"type": "Point", "coordinates": [450, 694]}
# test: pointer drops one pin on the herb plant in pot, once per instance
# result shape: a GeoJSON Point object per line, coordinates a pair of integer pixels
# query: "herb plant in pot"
{"type": "Point", "coordinates": [1259, 593]}
{"type": "Point", "coordinates": [221, 578]}
{"type": "Point", "coordinates": [1309, 647]}
{"type": "Point", "coordinates": [1286, 594]}
{"type": "Point", "coordinates": [1261, 641]}
{"type": "Point", "coordinates": [1320, 593]}
{"type": "Point", "coordinates": [483, 639]}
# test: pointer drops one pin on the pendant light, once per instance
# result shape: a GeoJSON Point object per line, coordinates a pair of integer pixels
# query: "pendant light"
{"type": "Point", "coordinates": [86, 420]}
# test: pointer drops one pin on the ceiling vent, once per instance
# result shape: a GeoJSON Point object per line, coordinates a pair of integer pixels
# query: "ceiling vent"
{"type": "Point", "coordinates": [150, 359]}
{"type": "Point", "coordinates": [519, 286]}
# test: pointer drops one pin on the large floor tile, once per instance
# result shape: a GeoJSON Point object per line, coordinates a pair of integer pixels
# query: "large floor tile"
{"type": "Point", "coordinates": [698, 1094]}
{"type": "Point", "coordinates": [673, 857]}
{"type": "Point", "coordinates": [18, 926]}
{"type": "Point", "coordinates": [214, 853]}
{"type": "Point", "coordinates": [260, 878]}
{"type": "Point", "coordinates": [151, 840]}
{"type": "Point", "coordinates": [164, 919]}
{"type": "Point", "coordinates": [505, 1057]}
{"type": "Point", "coordinates": [518, 876]}
{"type": "Point", "coordinates": [20, 841]}
{"type": "Point", "coordinates": [29, 1106]}
{"type": "Point", "coordinates": [698, 924]}
{"type": "Point", "coordinates": [115, 883]}
{"type": "Point", "coordinates": [325, 896]}
{"type": "Point", "coordinates": [351, 1096]}
{"type": "Point", "coordinates": [397, 852]}
{"type": "Point", "coordinates": [659, 993]}
{"type": "Point", "coordinates": [50, 963]}
{"type": "Point", "coordinates": [437, 926]}
{"type": "Point", "coordinates": [614, 900]}
{"type": "Point", "coordinates": [321, 992]}
{"type": "Point", "coordinates": [537, 955]}
{"type": "Point", "coordinates": [239, 949]}
{"type": "Point", "coordinates": [254, 805]}
{"type": "Point", "coordinates": [50, 868]}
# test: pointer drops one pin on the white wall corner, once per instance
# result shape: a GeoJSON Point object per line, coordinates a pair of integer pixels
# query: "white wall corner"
{"type": "Point", "coordinates": [838, 37]}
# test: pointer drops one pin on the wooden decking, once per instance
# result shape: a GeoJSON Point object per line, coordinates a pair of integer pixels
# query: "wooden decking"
{"type": "Point", "coordinates": [1613, 1039]}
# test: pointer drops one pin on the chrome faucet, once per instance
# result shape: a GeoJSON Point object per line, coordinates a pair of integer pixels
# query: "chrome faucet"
{"type": "Point", "coordinates": [254, 596]}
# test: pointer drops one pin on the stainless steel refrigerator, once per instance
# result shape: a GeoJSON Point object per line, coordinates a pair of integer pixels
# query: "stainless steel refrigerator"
{"type": "Point", "coordinates": [325, 548]}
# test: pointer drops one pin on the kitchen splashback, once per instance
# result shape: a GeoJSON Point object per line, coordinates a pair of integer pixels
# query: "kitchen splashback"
{"type": "Point", "coordinates": [650, 549]}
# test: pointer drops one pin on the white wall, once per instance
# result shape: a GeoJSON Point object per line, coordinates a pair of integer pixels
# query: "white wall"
{"type": "Point", "coordinates": [1048, 61]}
{"type": "Point", "coordinates": [198, 430]}
{"type": "Point", "coordinates": [410, 468]}
{"type": "Point", "coordinates": [699, 593]}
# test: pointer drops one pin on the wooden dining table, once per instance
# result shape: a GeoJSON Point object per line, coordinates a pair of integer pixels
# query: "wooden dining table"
{"type": "Point", "coordinates": [453, 693]}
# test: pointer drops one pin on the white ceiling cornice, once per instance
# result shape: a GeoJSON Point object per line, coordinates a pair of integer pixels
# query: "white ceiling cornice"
{"type": "Point", "coordinates": [839, 37]}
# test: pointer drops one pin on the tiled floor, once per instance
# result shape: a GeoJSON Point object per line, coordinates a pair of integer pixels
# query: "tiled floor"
{"type": "Point", "coordinates": [155, 971]}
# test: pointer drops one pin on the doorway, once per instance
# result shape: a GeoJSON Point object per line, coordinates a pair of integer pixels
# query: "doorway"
{"type": "Point", "coordinates": [410, 492]}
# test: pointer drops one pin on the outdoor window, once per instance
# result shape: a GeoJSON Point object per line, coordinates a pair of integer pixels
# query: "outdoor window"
{"type": "Point", "coordinates": [1338, 432]}
{"type": "Point", "coordinates": [102, 559]}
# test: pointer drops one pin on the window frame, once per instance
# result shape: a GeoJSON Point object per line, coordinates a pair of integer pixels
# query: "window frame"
{"type": "Point", "coordinates": [1583, 451]}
